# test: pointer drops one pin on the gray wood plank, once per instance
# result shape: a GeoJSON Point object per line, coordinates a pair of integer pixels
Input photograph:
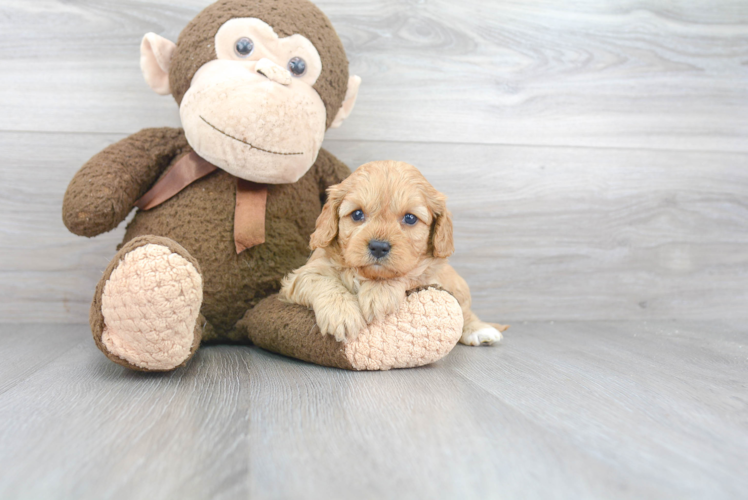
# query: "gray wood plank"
{"type": "Point", "coordinates": [631, 74]}
{"type": "Point", "coordinates": [83, 427]}
{"type": "Point", "coordinates": [573, 410]}
{"type": "Point", "coordinates": [24, 349]}
{"type": "Point", "coordinates": [46, 271]}
{"type": "Point", "coordinates": [643, 398]}
{"type": "Point", "coordinates": [559, 410]}
{"type": "Point", "coordinates": [594, 158]}
{"type": "Point", "coordinates": [541, 233]}
{"type": "Point", "coordinates": [570, 233]}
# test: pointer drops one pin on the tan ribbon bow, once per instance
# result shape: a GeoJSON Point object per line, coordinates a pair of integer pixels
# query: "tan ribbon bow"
{"type": "Point", "coordinates": [251, 198]}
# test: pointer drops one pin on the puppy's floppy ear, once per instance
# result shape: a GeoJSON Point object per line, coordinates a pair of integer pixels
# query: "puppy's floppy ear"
{"type": "Point", "coordinates": [442, 241]}
{"type": "Point", "coordinates": [327, 222]}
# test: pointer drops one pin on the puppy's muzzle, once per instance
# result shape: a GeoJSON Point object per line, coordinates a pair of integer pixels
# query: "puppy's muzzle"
{"type": "Point", "coordinates": [379, 249]}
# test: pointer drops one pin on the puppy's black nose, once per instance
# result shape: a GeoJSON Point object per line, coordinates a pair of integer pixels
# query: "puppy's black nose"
{"type": "Point", "coordinates": [379, 249]}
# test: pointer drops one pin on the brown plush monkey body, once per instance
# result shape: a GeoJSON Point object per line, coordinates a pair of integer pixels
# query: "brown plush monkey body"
{"type": "Point", "coordinates": [258, 83]}
{"type": "Point", "coordinates": [200, 219]}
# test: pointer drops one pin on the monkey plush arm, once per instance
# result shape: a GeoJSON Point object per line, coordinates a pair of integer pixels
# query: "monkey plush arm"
{"type": "Point", "coordinates": [329, 171]}
{"type": "Point", "coordinates": [103, 191]}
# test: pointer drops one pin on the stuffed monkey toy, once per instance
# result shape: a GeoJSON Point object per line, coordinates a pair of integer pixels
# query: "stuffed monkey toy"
{"type": "Point", "coordinates": [226, 204]}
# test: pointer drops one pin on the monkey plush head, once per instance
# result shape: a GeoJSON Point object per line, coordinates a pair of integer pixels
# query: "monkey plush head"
{"type": "Point", "coordinates": [258, 82]}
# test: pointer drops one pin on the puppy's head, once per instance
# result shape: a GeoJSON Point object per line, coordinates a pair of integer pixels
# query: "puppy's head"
{"type": "Point", "coordinates": [384, 220]}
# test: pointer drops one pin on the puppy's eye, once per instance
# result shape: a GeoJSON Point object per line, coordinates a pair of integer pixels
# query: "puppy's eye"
{"type": "Point", "coordinates": [357, 216]}
{"type": "Point", "coordinates": [244, 47]}
{"type": "Point", "coordinates": [410, 219]}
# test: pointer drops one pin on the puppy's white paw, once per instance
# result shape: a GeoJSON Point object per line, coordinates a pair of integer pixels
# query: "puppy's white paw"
{"type": "Point", "coordinates": [486, 336]}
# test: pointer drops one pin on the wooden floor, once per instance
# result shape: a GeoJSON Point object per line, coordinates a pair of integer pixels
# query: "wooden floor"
{"type": "Point", "coordinates": [594, 155]}
{"type": "Point", "coordinates": [560, 410]}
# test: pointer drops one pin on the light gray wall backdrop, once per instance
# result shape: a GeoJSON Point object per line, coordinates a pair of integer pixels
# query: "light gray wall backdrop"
{"type": "Point", "coordinates": [595, 153]}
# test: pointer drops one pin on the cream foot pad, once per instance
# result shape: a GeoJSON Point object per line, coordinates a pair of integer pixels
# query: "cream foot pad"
{"type": "Point", "coordinates": [424, 330]}
{"type": "Point", "coordinates": [150, 306]}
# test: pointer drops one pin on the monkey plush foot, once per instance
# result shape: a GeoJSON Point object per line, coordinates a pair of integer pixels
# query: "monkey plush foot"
{"type": "Point", "coordinates": [424, 330]}
{"type": "Point", "coordinates": [145, 312]}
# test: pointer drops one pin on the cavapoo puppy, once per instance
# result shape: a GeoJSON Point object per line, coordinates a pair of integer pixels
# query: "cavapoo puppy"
{"type": "Point", "coordinates": [384, 230]}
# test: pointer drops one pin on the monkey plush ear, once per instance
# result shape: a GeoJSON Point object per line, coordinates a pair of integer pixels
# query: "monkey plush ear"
{"type": "Point", "coordinates": [354, 82]}
{"type": "Point", "coordinates": [155, 60]}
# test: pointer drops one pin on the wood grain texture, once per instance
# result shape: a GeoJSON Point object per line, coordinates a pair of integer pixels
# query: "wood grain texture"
{"type": "Point", "coordinates": [594, 156]}
{"type": "Point", "coordinates": [568, 228]}
{"type": "Point", "coordinates": [81, 427]}
{"type": "Point", "coordinates": [24, 350]}
{"type": "Point", "coordinates": [541, 233]}
{"type": "Point", "coordinates": [636, 73]}
{"type": "Point", "coordinates": [559, 410]}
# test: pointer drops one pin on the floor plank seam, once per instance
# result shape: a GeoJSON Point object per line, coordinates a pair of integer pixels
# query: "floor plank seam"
{"type": "Point", "coordinates": [36, 368]}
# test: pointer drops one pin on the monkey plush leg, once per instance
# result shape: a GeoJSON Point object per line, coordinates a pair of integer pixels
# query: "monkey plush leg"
{"type": "Point", "coordinates": [425, 329]}
{"type": "Point", "coordinates": [146, 311]}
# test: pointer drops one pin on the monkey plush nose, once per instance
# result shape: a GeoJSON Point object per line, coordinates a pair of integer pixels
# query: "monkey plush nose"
{"type": "Point", "coordinates": [272, 71]}
{"type": "Point", "coordinates": [379, 249]}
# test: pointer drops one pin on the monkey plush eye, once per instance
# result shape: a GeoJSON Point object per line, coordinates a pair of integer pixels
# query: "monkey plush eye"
{"type": "Point", "coordinates": [244, 47]}
{"type": "Point", "coordinates": [297, 66]}
{"type": "Point", "coordinates": [410, 219]}
{"type": "Point", "coordinates": [357, 216]}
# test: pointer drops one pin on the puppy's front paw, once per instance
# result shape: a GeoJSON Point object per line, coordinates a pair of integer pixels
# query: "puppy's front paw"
{"type": "Point", "coordinates": [487, 336]}
{"type": "Point", "coordinates": [376, 303]}
{"type": "Point", "coordinates": [341, 318]}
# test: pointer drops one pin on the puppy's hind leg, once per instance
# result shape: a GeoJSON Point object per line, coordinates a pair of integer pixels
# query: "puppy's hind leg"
{"type": "Point", "coordinates": [476, 332]}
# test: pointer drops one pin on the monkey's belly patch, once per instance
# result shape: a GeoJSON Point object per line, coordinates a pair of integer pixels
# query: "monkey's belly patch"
{"type": "Point", "coordinates": [425, 329]}
{"type": "Point", "coordinates": [150, 306]}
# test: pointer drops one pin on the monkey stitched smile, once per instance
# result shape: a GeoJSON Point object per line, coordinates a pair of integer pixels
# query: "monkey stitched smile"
{"type": "Point", "coordinates": [247, 143]}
